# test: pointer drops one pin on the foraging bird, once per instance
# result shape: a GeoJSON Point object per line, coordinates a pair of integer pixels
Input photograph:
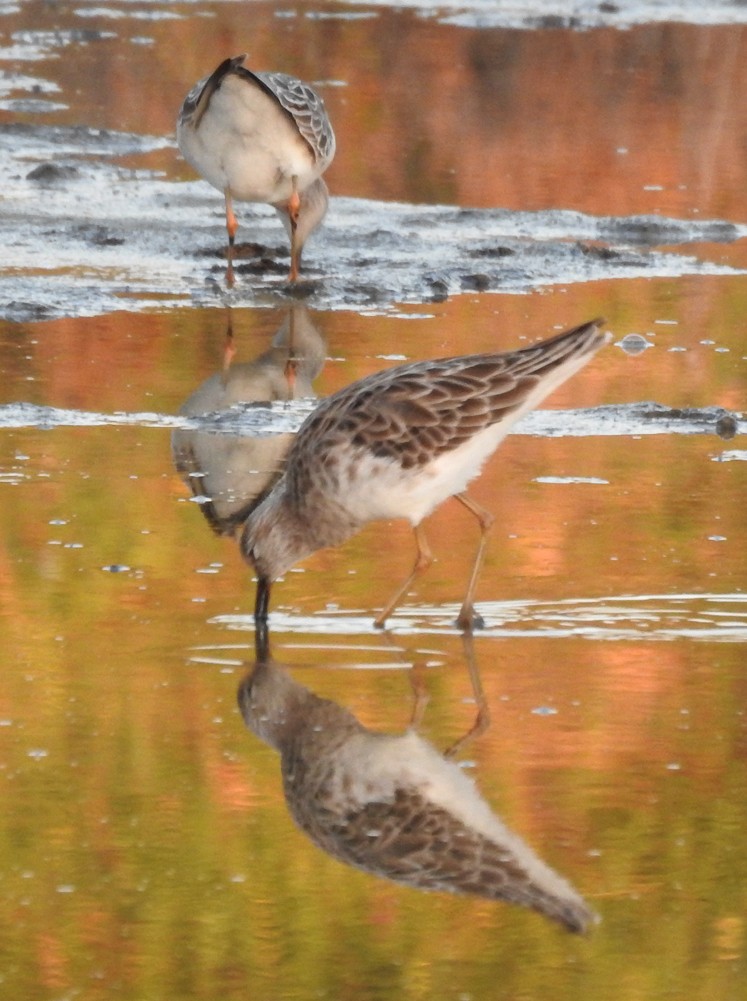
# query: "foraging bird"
{"type": "Point", "coordinates": [260, 137]}
{"type": "Point", "coordinates": [394, 807]}
{"type": "Point", "coordinates": [396, 445]}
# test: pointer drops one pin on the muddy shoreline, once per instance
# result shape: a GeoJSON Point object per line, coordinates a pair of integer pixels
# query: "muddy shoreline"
{"type": "Point", "coordinates": [85, 235]}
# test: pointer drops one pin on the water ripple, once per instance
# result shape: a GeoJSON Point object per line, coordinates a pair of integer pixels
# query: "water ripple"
{"type": "Point", "coordinates": [720, 618]}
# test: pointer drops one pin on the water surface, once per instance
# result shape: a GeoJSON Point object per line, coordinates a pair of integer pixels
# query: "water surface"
{"type": "Point", "coordinates": [496, 182]}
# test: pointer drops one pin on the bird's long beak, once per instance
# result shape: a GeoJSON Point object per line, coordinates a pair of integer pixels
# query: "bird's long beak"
{"type": "Point", "coordinates": [262, 600]}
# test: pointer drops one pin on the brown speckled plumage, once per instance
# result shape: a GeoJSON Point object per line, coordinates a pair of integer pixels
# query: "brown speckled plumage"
{"type": "Point", "coordinates": [393, 806]}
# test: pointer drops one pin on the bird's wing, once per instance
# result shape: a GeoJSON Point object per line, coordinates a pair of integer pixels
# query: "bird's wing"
{"type": "Point", "coordinates": [413, 841]}
{"type": "Point", "coordinates": [307, 110]}
{"type": "Point", "coordinates": [414, 413]}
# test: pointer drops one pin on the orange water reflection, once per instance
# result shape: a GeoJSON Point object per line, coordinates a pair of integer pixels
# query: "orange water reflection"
{"type": "Point", "coordinates": [144, 845]}
{"type": "Point", "coordinates": [610, 122]}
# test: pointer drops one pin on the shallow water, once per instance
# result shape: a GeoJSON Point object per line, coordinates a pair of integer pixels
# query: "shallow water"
{"type": "Point", "coordinates": [496, 180]}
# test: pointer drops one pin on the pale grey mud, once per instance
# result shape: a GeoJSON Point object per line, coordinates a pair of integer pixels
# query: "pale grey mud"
{"type": "Point", "coordinates": [85, 235]}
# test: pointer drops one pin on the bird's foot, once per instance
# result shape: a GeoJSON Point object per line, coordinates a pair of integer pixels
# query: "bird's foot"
{"type": "Point", "coordinates": [468, 620]}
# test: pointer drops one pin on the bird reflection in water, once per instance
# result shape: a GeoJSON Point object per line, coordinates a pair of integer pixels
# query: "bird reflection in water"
{"type": "Point", "coordinates": [230, 473]}
{"type": "Point", "coordinates": [394, 806]}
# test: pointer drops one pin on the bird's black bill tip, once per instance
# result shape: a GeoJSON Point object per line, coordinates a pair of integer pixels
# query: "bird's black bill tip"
{"type": "Point", "coordinates": [261, 629]}
{"type": "Point", "coordinates": [262, 601]}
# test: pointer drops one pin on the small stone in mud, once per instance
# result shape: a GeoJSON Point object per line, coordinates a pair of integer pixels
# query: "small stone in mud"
{"type": "Point", "coordinates": [726, 426]}
{"type": "Point", "coordinates": [439, 288]}
{"type": "Point", "coordinates": [492, 252]}
{"type": "Point", "coordinates": [555, 21]}
{"type": "Point", "coordinates": [594, 250]}
{"type": "Point", "coordinates": [248, 250]}
{"type": "Point", "coordinates": [262, 266]}
{"type": "Point", "coordinates": [101, 237]}
{"type": "Point", "coordinates": [476, 283]}
{"type": "Point", "coordinates": [52, 173]}
{"type": "Point", "coordinates": [245, 251]}
{"type": "Point", "coordinates": [23, 311]}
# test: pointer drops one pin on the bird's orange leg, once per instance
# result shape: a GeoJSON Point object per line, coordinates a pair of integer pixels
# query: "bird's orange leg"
{"type": "Point", "coordinates": [231, 226]}
{"type": "Point", "coordinates": [468, 619]}
{"type": "Point", "coordinates": [423, 560]}
{"type": "Point", "coordinates": [294, 207]}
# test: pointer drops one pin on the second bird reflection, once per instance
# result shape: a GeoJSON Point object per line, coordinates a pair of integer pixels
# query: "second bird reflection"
{"type": "Point", "coordinates": [392, 805]}
{"type": "Point", "coordinates": [229, 474]}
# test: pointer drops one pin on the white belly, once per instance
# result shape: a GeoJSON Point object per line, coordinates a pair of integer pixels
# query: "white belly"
{"type": "Point", "coordinates": [378, 488]}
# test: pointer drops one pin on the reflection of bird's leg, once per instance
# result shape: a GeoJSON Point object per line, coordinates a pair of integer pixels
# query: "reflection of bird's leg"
{"type": "Point", "coordinates": [420, 695]}
{"type": "Point", "coordinates": [294, 205]}
{"type": "Point", "coordinates": [482, 719]}
{"type": "Point", "coordinates": [229, 350]}
{"type": "Point", "coordinates": [423, 560]}
{"type": "Point", "coordinates": [291, 366]}
{"type": "Point", "coordinates": [231, 226]}
{"type": "Point", "coordinates": [467, 618]}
